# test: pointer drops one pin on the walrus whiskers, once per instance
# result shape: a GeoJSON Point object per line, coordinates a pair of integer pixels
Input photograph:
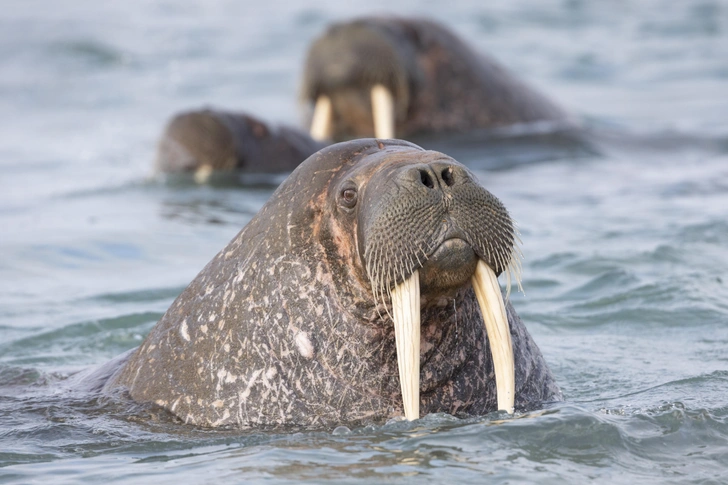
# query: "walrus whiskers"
{"type": "Point", "coordinates": [514, 268]}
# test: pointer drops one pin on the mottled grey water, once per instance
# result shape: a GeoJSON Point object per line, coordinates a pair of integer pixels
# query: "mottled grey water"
{"type": "Point", "coordinates": [625, 238]}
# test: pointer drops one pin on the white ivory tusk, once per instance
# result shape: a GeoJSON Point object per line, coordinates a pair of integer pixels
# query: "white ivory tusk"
{"type": "Point", "coordinates": [487, 290]}
{"type": "Point", "coordinates": [382, 111]}
{"type": "Point", "coordinates": [406, 308]}
{"type": "Point", "coordinates": [202, 174]}
{"type": "Point", "coordinates": [321, 121]}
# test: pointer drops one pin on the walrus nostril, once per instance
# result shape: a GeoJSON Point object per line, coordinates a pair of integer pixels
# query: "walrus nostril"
{"type": "Point", "coordinates": [426, 179]}
{"type": "Point", "coordinates": [447, 176]}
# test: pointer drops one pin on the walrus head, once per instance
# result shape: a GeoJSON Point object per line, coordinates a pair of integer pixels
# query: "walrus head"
{"type": "Point", "coordinates": [393, 77]}
{"type": "Point", "coordinates": [422, 228]}
{"type": "Point", "coordinates": [359, 79]}
{"type": "Point", "coordinates": [205, 141]}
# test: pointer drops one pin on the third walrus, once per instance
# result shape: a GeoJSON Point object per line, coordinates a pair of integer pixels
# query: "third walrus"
{"type": "Point", "coordinates": [204, 141]}
{"type": "Point", "coordinates": [397, 78]}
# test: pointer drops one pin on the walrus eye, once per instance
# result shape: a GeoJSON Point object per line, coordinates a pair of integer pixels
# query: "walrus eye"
{"type": "Point", "coordinates": [348, 197]}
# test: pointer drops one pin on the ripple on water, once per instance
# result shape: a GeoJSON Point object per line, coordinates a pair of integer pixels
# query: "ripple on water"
{"type": "Point", "coordinates": [668, 285]}
{"type": "Point", "coordinates": [562, 444]}
{"type": "Point", "coordinates": [77, 343]}
{"type": "Point", "coordinates": [90, 53]}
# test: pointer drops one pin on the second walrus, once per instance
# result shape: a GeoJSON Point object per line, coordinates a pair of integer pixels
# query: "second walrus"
{"type": "Point", "coordinates": [396, 78]}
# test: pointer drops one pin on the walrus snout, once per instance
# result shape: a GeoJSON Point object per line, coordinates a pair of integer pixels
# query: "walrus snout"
{"type": "Point", "coordinates": [432, 230]}
{"type": "Point", "coordinates": [440, 175]}
{"type": "Point", "coordinates": [453, 262]}
{"type": "Point", "coordinates": [420, 204]}
{"type": "Point", "coordinates": [450, 267]}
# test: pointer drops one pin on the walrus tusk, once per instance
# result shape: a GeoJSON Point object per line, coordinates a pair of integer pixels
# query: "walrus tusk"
{"type": "Point", "coordinates": [382, 111]}
{"type": "Point", "coordinates": [202, 174]}
{"type": "Point", "coordinates": [406, 308]}
{"type": "Point", "coordinates": [487, 290]}
{"type": "Point", "coordinates": [321, 121]}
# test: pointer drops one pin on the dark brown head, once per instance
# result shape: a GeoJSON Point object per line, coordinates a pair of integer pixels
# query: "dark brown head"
{"type": "Point", "coordinates": [392, 77]}
{"type": "Point", "coordinates": [206, 141]}
{"type": "Point", "coordinates": [196, 139]}
{"type": "Point", "coordinates": [404, 209]}
{"type": "Point", "coordinates": [346, 62]}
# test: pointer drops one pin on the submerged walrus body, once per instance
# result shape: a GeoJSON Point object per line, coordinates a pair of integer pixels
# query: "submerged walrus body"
{"type": "Point", "coordinates": [397, 78]}
{"type": "Point", "coordinates": [206, 141]}
{"type": "Point", "coordinates": [299, 319]}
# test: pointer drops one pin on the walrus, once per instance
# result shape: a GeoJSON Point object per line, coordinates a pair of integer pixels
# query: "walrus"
{"type": "Point", "coordinates": [398, 78]}
{"type": "Point", "coordinates": [365, 289]}
{"type": "Point", "coordinates": [207, 140]}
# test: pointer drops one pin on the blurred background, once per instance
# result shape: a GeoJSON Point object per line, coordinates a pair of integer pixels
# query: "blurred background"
{"type": "Point", "coordinates": [114, 72]}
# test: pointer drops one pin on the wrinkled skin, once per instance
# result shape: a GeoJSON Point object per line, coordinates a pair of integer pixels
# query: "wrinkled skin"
{"type": "Point", "coordinates": [226, 141]}
{"type": "Point", "coordinates": [282, 326]}
{"type": "Point", "coordinates": [440, 85]}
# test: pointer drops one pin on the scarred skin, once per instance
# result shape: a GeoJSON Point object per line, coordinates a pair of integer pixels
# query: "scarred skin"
{"type": "Point", "coordinates": [225, 141]}
{"type": "Point", "coordinates": [282, 326]}
{"type": "Point", "coordinates": [439, 83]}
